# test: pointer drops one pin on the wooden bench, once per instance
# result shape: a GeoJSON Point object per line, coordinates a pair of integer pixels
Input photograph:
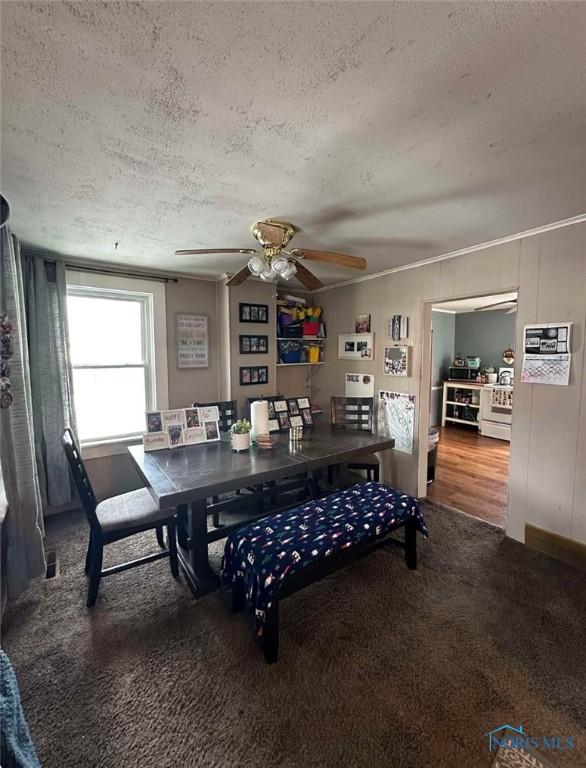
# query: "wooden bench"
{"type": "Point", "coordinates": [278, 555]}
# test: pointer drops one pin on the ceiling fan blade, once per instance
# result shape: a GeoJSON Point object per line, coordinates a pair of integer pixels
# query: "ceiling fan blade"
{"type": "Point", "coordinates": [498, 304]}
{"type": "Point", "coordinates": [214, 250]}
{"type": "Point", "coordinates": [307, 278]}
{"type": "Point", "coordinates": [240, 276]}
{"type": "Point", "coordinates": [342, 259]}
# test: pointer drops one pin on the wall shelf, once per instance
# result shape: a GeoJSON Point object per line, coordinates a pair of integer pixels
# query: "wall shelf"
{"type": "Point", "coordinates": [301, 338]}
{"type": "Point", "coordinates": [286, 365]}
{"type": "Point", "coordinates": [470, 405]}
{"type": "Point", "coordinates": [461, 421]}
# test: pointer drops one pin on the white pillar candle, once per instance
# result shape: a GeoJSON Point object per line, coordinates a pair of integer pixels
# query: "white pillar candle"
{"type": "Point", "coordinates": [259, 418]}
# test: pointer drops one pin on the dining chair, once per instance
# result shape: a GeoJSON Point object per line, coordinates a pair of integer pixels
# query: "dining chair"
{"type": "Point", "coordinates": [357, 413]}
{"type": "Point", "coordinates": [117, 518]}
{"type": "Point", "coordinates": [228, 412]}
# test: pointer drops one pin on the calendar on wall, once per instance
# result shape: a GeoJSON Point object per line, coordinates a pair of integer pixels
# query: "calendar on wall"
{"type": "Point", "coordinates": [546, 353]}
{"type": "Point", "coordinates": [192, 340]}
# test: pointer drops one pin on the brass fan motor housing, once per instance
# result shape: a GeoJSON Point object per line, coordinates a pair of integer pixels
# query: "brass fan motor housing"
{"type": "Point", "coordinates": [273, 233]}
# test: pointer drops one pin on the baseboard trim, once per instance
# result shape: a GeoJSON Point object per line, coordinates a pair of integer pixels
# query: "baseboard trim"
{"type": "Point", "coordinates": [553, 544]}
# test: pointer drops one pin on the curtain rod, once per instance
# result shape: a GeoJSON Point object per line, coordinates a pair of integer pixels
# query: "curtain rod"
{"type": "Point", "coordinates": [121, 273]}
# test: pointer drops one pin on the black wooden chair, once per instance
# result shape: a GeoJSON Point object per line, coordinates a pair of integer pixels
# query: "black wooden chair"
{"type": "Point", "coordinates": [228, 412]}
{"type": "Point", "coordinates": [115, 519]}
{"type": "Point", "coordinates": [357, 413]}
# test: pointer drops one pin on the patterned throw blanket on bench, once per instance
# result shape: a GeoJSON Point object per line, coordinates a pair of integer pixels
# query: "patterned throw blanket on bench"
{"type": "Point", "coordinates": [268, 551]}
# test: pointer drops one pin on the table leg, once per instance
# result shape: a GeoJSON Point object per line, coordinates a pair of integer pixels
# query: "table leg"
{"type": "Point", "coordinates": [193, 552]}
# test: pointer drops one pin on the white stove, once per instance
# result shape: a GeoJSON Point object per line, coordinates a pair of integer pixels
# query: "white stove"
{"type": "Point", "coordinates": [496, 411]}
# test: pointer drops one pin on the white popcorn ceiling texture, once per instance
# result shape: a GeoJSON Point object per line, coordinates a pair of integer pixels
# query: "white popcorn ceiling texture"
{"type": "Point", "coordinates": [393, 131]}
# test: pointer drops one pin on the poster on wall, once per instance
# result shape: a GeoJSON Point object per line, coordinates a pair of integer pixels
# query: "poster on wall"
{"type": "Point", "coordinates": [396, 418]}
{"type": "Point", "coordinates": [359, 385]}
{"type": "Point", "coordinates": [546, 354]}
{"type": "Point", "coordinates": [192, 340]}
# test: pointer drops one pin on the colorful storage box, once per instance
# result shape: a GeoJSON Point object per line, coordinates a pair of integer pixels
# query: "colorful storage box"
{"type": "Point", "coordinates": [291, 331]}
{"type": "Point", "coordinates": [310, 328]}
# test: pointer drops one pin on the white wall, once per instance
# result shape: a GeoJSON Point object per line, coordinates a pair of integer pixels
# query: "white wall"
{"type": "Point", "coordinates": [548, 447]}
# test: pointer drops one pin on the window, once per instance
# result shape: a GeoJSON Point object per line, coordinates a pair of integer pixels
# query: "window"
{"type": "Point", "coordinates": [116, 363]}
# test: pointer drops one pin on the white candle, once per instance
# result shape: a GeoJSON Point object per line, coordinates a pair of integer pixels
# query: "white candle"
{"type": "Point", "coordinates": [259, 418]}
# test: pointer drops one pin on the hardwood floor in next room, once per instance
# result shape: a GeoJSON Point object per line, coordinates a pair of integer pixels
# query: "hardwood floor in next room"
{"type": "Point", "coordinates": [472, 474]}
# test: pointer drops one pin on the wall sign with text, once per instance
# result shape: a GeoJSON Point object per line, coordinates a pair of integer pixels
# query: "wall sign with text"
{"type": "Point", "coordinates": [192, 340]}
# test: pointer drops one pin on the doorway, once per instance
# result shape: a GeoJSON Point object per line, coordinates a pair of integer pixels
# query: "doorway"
{"type": "Point", "coordinates": [471, 388]}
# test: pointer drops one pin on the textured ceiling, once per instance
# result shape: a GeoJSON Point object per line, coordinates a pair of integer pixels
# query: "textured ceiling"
{"type": "Point", "coordinates": [393, 131]}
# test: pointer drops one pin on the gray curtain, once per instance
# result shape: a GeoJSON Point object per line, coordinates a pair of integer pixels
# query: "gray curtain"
{"type": "Point", "coordinates": [45, 292]}
{"type": "Point", "coordinates": [23, 526]}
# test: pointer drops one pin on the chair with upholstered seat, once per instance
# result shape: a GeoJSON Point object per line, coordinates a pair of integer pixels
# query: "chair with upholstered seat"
{"type": "Point", "coordinates": [357, 413]}
{"type": "Point", "coordinates": [115, 519]}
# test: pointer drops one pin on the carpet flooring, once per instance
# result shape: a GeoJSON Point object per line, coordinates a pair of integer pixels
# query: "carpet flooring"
{"type": "Point", "coordinates": [380, 666]}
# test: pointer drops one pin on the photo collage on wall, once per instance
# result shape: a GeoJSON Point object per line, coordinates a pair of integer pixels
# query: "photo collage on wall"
{"type": "Point", "coordinates": [286, 412]}
{"type": "Point", "coordinates": [181, 426]}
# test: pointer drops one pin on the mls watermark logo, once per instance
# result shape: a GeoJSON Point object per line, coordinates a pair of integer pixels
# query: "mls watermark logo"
{"type": "Point", "coordinates": [509, 737]}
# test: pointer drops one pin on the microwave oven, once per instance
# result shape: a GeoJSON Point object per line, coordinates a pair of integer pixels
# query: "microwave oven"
{"type": "Point", "coordinates": [463, 374]}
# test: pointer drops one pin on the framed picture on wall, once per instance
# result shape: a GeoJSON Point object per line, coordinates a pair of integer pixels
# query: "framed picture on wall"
{"type": "Point", "coordinates": [396, 361]}
{"type": "Point", "coordinates": [191, 334]}
{"type": "Point", "coordinates": [253, 313]}
{"type": "Point", "coordinates": [254, 374]}
{"type": "Point", "coordinates": [356, 346]}
{"type": "Point", "coordinates": [253, 345]}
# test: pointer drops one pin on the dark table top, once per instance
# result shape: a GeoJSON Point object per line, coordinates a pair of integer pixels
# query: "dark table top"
{"type": "Point", "coordinates": [181, 475]}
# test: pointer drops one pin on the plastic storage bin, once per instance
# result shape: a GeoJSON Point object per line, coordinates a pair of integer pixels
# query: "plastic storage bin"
{"type": "Point", "coordinates": [310, 328]}
{"type": "Point", "coordinates": [292, 331]}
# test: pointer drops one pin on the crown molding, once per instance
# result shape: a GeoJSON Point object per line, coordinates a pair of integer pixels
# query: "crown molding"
{"type": "Point", "coordinates": [462, 252]}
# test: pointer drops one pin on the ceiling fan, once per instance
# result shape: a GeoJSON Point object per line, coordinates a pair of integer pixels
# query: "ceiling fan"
{"type": "Point", "coordinates": [512, 303]}
{"type": "Point", "coordinates": [272, 260]}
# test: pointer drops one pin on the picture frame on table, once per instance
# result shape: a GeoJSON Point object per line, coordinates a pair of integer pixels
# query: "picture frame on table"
{"type": "Point", "coordinates": [284, 422]}
{"type": "Point", "coordinates": [253, 313]}
{"type": "Point", "coordinates": [307, 417]}
{"type": "Point", "coordinates": [293, 406]}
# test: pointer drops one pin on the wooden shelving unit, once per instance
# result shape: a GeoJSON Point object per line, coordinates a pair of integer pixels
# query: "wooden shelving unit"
{"type": "Point", "coordinates": [450, 404]}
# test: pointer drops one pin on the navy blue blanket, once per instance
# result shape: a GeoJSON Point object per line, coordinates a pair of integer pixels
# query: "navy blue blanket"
{"type": "Point", "coordinates": [265, 553]}
{"type": "Point", "coordinates": [17, 749]}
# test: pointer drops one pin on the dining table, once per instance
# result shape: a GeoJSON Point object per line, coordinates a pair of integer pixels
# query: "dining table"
{"type": "Point", "coordinates": [211, 478]}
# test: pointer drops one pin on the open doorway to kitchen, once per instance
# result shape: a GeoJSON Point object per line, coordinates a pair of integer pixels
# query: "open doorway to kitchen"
{"type": "Point", "coordinates": [471, 404]}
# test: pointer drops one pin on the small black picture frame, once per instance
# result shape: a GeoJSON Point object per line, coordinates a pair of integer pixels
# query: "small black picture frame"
{"type": "Point", "coordinates": [254, 374]}
{"type": "Point", "coordinates": [253, 313]}
{"type": "Point", "coordinates": [251, 344]}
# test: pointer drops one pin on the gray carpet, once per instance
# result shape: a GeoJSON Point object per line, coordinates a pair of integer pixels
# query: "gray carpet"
{"type": "Point", "coordinates": [380, 666]}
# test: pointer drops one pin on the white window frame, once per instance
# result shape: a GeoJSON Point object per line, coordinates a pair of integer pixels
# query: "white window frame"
{"type": "Point", "coordinates": [151, 296]}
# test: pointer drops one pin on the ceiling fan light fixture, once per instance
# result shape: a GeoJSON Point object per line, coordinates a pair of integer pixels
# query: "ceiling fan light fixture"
{"type": "Point", "coordinates": [290, 270]}
{"type": "Point", "coordinates": [257, 265]}
{"type": "Point", "coordinates": [280, 265]}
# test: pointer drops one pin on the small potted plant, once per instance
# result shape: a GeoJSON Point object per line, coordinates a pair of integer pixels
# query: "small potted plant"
{"type": "Point", "coordinates": [490, 375]}
{"type": "Point", "coordinates": [240, 435]}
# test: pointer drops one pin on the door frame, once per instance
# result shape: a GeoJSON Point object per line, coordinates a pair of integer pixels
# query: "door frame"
{"type": "Point", "coordinates": [425, 375]}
